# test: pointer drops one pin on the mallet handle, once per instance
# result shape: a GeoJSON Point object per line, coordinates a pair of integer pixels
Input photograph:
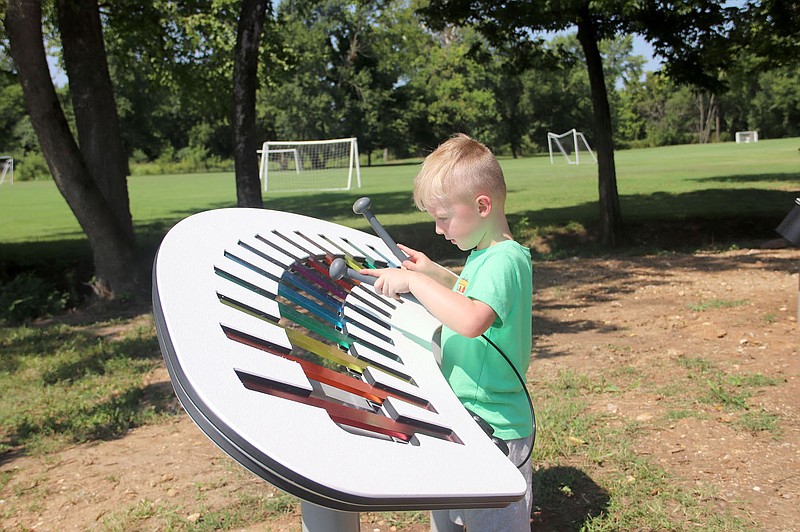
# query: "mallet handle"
{"type": "Point", "coordinates": [362, 206]}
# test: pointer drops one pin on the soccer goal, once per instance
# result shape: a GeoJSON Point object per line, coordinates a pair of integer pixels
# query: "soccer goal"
{"type": "Point", "coordinates": [294, 166]}
{"type": "Point", "coordinates": [746, 136]}
{"type": "Point", "coordinates": [6, 169]}
{"type": "Point", "coordinates": [571, 145]}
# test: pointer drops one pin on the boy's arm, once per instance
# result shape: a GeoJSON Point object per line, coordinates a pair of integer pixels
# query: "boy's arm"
{"type": "Point", "coordinates": [463, 315]}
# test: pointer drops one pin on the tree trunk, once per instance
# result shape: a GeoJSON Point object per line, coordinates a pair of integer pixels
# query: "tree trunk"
{"type": "Point", "coordinates": [706, 115]}
{"type": "Point", "coordinates": [245, 83]}
{"type": "Point", "coordinates": [93, 102]}
{"type": "Point", "coordinates": [610, 214]}
{"type": "Point", "coordinates": [98, 201]}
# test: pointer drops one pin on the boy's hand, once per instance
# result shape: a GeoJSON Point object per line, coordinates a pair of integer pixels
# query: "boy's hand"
{"type": "Point", "coordinates": [394, 281]}
{"type": "Point", "coordinates": [417, 261]}
{"type": "Point", "coordinates": [391, 282]}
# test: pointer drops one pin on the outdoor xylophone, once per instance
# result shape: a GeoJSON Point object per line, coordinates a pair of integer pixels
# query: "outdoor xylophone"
{"type": "Point", "coordinates": [319, 386]}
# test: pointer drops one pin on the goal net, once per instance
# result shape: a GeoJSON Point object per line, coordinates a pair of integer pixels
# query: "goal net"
{"type": "Point", "coordinates": [571, 144]}
{"type": "Point", "coordinates": [746, 136]}
{"type": "Point", "coordinates": [294, 166]}
{"type": "Point", "coordinates": [6, 169]}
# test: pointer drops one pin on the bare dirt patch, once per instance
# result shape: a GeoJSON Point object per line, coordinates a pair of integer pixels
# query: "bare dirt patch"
{"type": "Point", "coordinates": [676, 316]}
{"type": "Point", "coordinates": [661, 318]}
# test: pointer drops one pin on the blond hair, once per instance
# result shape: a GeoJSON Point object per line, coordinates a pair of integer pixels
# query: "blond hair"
{"type": "Point", "coordinates": [459, 169]}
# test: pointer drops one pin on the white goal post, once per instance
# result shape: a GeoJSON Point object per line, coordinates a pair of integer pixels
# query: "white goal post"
{"type": "Point", "coordinates": [6, 169]}
{"type": "Point", "coordinates": [570, 144]}
{"type": "Point", "coordinates": [746, 136]}
{"type": "Point", "coordinates": [306, 165]}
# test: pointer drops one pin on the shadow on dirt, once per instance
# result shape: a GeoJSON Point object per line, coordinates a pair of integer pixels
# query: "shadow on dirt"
{"type": "Point", "coordinates": [565, 499]}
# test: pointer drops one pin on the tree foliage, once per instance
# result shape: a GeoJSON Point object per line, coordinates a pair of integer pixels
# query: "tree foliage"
{"type": "Point", "coordinates": [342, 72]}
{"type": "Point", "coordinates": [396, 86]}
{"type": "Point", "coordinates": [768, 30]}
{"type": "Point", "coordinates": [173, 67]}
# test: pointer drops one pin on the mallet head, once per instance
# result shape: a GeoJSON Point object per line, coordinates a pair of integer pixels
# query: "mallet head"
{"type": "Point", "coordinates": [362, 205]}
{"type": "Point", "coordinates": [337, 269]}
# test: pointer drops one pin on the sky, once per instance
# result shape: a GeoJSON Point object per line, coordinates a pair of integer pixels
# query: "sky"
{"type": "Point", "coordinates": [56, 74]}
{"type": "Point", "coordinates": [643, 48]}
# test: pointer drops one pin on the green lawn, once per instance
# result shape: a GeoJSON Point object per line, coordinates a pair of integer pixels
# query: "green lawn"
{"type": "Point", "coordinates": [668, 184]}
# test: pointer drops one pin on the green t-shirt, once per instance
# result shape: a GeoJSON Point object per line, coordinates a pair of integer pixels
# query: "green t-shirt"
{"type": "Point", "coordinates": [502, 277]}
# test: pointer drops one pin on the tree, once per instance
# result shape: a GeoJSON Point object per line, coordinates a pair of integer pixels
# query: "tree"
{"type": "Point", "coordinates": [672, 25]}
{"type": "Point", "coordinates": [455, 91]}
{"type": "Point", "coordinates": [514, 21]}
{"type": "Point", "coordinates": [346, 72]}
{"type": "Point", "coordinates": [91, 173]}
{"type": "Point", "coordinates": [769, 30]}
{"type": "Point", "coordinates": [245, 82]}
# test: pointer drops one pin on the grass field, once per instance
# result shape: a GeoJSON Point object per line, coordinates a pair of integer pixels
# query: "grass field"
{"type": "Point", "coordinates": [715, 180]}
{"type": "Point", "coordinates": [741, 187]}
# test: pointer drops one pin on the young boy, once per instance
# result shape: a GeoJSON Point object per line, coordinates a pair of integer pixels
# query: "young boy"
{"type": "Point", "coordinates": [484, 310]}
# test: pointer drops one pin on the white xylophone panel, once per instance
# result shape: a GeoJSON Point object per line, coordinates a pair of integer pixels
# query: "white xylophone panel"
{"type": "Point", "coordinates": [298, 446]}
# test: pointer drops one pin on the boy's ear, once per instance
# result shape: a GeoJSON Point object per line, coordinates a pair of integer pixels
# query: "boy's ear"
{"type": "Point", "coordinates": [484, 203]}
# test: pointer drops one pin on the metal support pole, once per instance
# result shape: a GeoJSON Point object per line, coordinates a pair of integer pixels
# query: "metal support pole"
{"type": "Point", "coordinates": [320, 519]}
{"type": "Point", "coordinates": [440, 522]}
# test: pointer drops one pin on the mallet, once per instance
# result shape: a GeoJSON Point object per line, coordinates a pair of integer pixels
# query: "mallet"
{"type": "Point", "coordinates": [362, 206]}
{"type": "Point", "coordinates": [339, 269]}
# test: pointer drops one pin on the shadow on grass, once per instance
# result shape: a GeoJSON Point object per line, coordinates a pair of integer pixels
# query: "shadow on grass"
{"type": "Point", "coordinates": [96, 361]}
{"type": "Point", "coordinates": [107, 420]}
{"type": "Point", "coordinates": [323, 205]}
{"type": "Point", "coordinates": [787, 177]}
{"type": "Point", "coordinates": [338, 205]}
{"type": "Point", "coordinates": [652, 223]}
{"type": "Point", "coordinates": [659, 222]}
{"type": "Point", "coordinates": [565, 499]}
{"type": "Point", "coordinates": [58, 394]}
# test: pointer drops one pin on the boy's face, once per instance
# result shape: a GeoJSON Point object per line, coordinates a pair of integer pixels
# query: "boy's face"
{"type": "Point", "coordinates": [461, 222]}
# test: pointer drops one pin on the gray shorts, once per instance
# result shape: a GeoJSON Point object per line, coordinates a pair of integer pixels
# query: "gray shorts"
{"type": "Point", "coordinates": [516, 517]}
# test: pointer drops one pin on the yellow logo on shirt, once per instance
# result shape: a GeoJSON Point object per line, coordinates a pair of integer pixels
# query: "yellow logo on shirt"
{"type": "Point", "coordinates": [461, 286]}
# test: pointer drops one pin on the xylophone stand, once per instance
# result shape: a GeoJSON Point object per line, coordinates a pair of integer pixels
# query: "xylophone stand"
{"type": "Point", "coordinates": [789, 229]}
{"type": "Point", "coordinates": [320, 519]}
{"type": "Point", "coordinates": [441, 522]}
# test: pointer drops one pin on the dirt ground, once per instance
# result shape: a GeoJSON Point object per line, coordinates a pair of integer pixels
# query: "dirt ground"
{"type": "Point", "coordinates": [737, 310]}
